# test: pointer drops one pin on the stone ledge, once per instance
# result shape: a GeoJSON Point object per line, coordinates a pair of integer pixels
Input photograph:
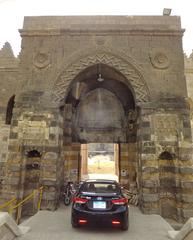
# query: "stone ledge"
{"type": "Point", "coordinates": [186, 232]}
{"type": "Point", "coordinates": [9, 227]}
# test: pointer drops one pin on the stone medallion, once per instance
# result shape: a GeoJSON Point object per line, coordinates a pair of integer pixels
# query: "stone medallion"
{"type": "Point", "coordinates": [159, 59]}
{"type": "Point", "coordinates": [41, 60]}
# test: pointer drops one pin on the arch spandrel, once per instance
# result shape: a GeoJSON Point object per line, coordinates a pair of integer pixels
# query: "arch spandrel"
{"type": "Point", "coordinates": [126, 68]}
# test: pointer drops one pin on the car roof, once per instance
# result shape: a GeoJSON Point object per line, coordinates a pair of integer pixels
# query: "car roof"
{"type": "Point", "coordinates": [100, 181]}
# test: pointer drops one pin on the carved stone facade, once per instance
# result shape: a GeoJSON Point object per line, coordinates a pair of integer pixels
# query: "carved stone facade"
{"type": "Point", "coordinates": [98, 79]}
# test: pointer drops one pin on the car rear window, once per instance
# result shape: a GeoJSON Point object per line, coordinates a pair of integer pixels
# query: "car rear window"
{"type": "Point", "coordinates": [97, 187]}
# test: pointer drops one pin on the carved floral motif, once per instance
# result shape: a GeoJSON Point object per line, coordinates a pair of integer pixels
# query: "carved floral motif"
{"type": "Point", "coordinates": [41, 60]}
{"type": "Point", "coordinates": [159, 59]}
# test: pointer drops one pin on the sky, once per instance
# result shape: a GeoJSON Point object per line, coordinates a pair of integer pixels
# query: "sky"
{"type": "Point", "coordinates": [12, 13]}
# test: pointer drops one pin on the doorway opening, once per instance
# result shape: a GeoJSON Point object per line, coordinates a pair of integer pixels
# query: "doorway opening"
{"type": "Point", "coordinates": [99, 161]}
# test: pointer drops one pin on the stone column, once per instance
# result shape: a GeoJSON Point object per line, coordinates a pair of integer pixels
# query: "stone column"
{"type": "Point", "coordinates": [128, 165]}
{"type": "Point", "coordinates": [72, 162]}
{"type": "Point", "coordinates": [84, 159]}
{"type": "Point", "coordinates": [185, 170]}
{"type": "Point", "coordinates": [116, 159]}
{"type": "Point", "coordinates": [165, 149]}
{"type": "Point", "coordinates": [148, 173]}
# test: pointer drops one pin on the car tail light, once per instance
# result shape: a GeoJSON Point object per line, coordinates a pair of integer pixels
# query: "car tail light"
{"type": "Point", "coordinates": [121, 201]}
{"type": "Point", "coordinates": [115, 222]}
{"type": "Point", "coordinates": [82, 221]}
{"type": "Point", "coordinates": [80, 200]}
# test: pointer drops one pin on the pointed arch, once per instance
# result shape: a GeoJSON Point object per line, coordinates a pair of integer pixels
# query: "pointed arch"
{"type": "Point", "coordinates": [131, 73]}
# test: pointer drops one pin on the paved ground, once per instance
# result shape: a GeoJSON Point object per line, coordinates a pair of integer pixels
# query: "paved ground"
{"type": "Point", "coordinates": [56, 225]}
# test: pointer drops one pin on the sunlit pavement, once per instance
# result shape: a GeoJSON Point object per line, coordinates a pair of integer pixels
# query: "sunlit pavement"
{"type": "Point", "coordinates": [47, 225]}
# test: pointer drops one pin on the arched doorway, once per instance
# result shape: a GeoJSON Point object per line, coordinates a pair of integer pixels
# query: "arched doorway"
{"type": "Point", "coordinates": [100, 108]}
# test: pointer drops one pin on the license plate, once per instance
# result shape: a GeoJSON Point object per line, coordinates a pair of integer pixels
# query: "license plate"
{"type": "Point", "coordinates": [99, 204]}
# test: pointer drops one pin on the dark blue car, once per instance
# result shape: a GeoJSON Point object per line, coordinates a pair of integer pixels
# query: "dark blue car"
{"type": "Point", "coordinates": [100, 202]}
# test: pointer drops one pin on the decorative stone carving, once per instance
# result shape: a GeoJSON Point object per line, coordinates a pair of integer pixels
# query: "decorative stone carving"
{"type": "Point", "coordinates": [159, 59]}
{"type": "Point", "coordinates": [166, 126]}
{"type": "Point", "coordinates": [100, 40]}
{"type": "Point", "coordinates": [41, 60]}
{"type": "Point", "coordinates": [34, 130]}
{"type": "Point", "coordinates": [132, 115]}
{"type": "Point", "coordinates": [134, 77]}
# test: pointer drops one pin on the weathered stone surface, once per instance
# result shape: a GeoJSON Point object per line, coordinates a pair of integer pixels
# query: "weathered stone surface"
{"type": "Point", "coordinates": [150, 183]}
{"type": "Point", "coordinates": [62, 102]}
{"type": "Point", "coordinates": [150, 197]}
{"type": "Point", "coordinates": [187, 198]}
{"type": "Point", "coordinates": [187, 184]}
{"type": "Point", "coordinates": [187, 213]}
{"type": "Point", "coordinates": [150, 169]}
{"type": "Point", "coordinates": [51, 155]}
{"type": "Point", "coordinates": [186, 170]}
{"type": "Point", "coordinates": [49, 196]}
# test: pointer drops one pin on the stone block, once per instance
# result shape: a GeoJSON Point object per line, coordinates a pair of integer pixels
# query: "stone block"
{"type": "Point", "coordinates": [188, 170]}
{"type": "Point", "coordinates": [148, 157]}
{"type": "Point", "coordinates": [187, 184]}
{"type": "Point", "coordinates": [186, 124]}
{"type": "Point", "coordinates": [187, 134]}
{"type": "Point", "coordinates": [187, 198]}
{"type": "Point", "coordinates": [167, 182]}
{"type": "Point", "coordinates": [52, 149]}
{"type": "Point", "coordinates": [150, 197]}
{"type": "Point", "coordinates": [150, 169]}
{"type": "Point", "coordinates": [53, 124]}
{"type": "Point", "coordinates": [150, 183]}
{"type": "Point", "coordinates": [171, 169]}
{"type": "Point", "coordinates": [51, 155]}
{"type": "Point", "coordinates": [13, 181]}
{"type": "Point", "coordinates": [15, 168]}
{"type": "Point", "coordinates": [146, 137]}
{"type": "Point", "coordinates": [52, 137]}
{"type": "Point", "coordinates": [149, 150]}
{"type": "Point", "coordinates": [14, 123]}
{"type": "Point", "coordinates": [13, 148]}
{"type": "Point", "coordinates": [49, 196]}
{"type": "Point", "coordinates": [46, 182]}
{"type": "Point", "coordinates": [187, 213]}
{"type": "Point", "coordinates": [186, 157]}
{"type": "Point", "coordinates": [145, 124]}
{"type": "Point", "coordinates": [185, 151]}
{"type": "Point", "coordinates": [13, 135]}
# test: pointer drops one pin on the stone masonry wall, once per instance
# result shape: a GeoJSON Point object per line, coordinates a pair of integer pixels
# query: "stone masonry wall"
{"type": "Point", "coordinates": [148, 52]}
{"type": "Point", "coordinates": [189, 81]}
{"type": "Point", "coordinates": [128, 165]}
{"type": "Point", "coordinates": [166, 180]}
{"type": "Point", "coordinates": [49, 52]}
{"type": "Point", "coordinates": [33, 129]}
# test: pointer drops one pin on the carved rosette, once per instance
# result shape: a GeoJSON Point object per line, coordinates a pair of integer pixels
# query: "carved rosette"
{"type": "Point", "coordinates": [41, 60]}
{"type": "Point", "coordinates": [100, 40]}
{"type": "Point", "coordinates": [159, 59]}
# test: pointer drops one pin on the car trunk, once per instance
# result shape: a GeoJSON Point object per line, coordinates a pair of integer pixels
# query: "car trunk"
{"type": "Point", "coordinates": [99, 201]}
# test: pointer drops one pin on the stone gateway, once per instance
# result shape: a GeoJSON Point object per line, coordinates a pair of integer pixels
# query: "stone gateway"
{"type": "Point", "coordinates": [98, 79]}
